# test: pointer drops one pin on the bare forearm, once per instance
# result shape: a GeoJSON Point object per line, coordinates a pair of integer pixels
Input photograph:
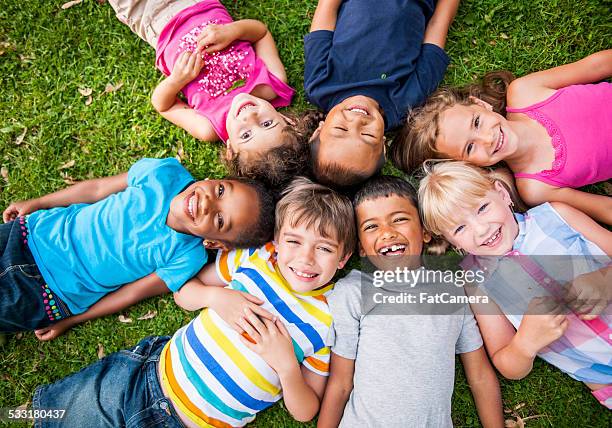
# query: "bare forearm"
{"type": "Point", "coordinates": [325, 15]}
{"type": "Point", "coordinates": [194, 295]}
{"type": "Point", "coordinates": [123, 298]}
{"type": "Point", "coordinates": [514, 361]}
{"type": "Point", "coordinates": [437, 27]}
{"type": "Point", "coordinates": [88, 191]}
{"type": "Point", "coordinates": [249, 30]}
{"type": "Point", "coordinates": [487, 396]}
{"type": "Point", "coordinates": [334, 401]}
{"type": "Point", "coordinates": [164, 95]}
{"type": "Point", "coordinates": [300, 399]}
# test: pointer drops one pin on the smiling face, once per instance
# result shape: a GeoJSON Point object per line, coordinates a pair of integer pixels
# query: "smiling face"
{"type": "Point", "coordinates": [476, 134]}
{"type": "Point", "coordinates": [390, 232]}
{"type": "Point", "coordinates": [486, 229]}
{"type": "Point", "coordinates": [253, 126]}
{"type": "Point", "coordinates": [218, 210]}
{"type": "Point", "coordinates": [305, 258]}
{"type": "Point", "coordinates": [353, 135]}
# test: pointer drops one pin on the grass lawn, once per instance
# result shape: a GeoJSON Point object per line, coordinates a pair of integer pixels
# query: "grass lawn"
{"type": "Point", "coordinates": [50, 135]}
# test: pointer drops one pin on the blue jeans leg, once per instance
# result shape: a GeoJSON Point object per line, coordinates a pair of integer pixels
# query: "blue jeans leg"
{"type": "Point", "coordinates": [121, 390]}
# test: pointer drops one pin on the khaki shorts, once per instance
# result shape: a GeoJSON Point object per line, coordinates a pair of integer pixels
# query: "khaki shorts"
{"type": "Point", "coordinates": [147, 18]}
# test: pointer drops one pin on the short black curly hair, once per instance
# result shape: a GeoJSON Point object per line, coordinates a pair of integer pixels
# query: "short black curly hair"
{"type": "Point", "coordinates": [263, 228]}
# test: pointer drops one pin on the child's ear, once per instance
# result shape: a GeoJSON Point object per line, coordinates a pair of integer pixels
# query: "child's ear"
{"type": "Point", "coordinates": [317, 131]}
{"type": "Point", "coordinates": [503, 192]}
{"type": "Point", "coordinates": [344, 259]}
{"type": "Point", "coordinates": [426, 237]}
{"type": "Point", "coordinates": [230, 154]}
{"type": "Point", "coordinates": [216, 245]}
{"type": "Point", "coordinates": [362, 252]}
{"type": "Point", "coordinates": [481, 103]}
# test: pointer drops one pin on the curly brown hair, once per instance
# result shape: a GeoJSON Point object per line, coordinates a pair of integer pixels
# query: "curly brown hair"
{"type": "Point", "coordinates": [416, 141]}
{"type": "Point", "coordinates": [279, 165]}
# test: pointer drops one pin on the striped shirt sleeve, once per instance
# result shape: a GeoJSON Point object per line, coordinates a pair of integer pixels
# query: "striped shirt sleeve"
{"type": "Point", "coordinates": [228, 262]}
{"type": "Point", "coordinates": [318, 362]}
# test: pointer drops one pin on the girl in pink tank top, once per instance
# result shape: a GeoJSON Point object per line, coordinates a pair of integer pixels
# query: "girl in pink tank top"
{"type": "Point", "coordinates": [232, 80]}
{"type": "Point", "coordinates": [555, 133]}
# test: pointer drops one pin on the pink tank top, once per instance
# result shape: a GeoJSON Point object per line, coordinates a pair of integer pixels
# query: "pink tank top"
{"type": "Point", "coordinates": [578, 119]}
{"type": "Point", "coordinates": [227, 73]}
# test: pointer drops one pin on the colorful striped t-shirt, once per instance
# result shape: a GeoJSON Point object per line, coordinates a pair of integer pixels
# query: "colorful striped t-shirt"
{"type": "Point", "coordinates": [212, 376]}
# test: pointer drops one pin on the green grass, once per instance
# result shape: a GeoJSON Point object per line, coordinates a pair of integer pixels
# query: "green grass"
{"type": "Point", "coordinates": [49, 53]}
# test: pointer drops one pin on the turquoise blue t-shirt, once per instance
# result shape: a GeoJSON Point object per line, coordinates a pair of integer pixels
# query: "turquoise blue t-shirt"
{"type": "Point", "coordinates": [85, 251]}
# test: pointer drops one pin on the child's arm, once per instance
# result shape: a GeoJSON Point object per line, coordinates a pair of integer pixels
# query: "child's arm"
{"type": "Point", "coordinates": [512, 352]}
{"type": "Point", "coordinates": [88, 191]}
{"type": "Point", "coordinates": [436, 31]}
{"type": "Point", "coordinates": [207, 289]}
{"type": "Point", "coordinates": [485, 387]}
{"type": "Point", "coordinates": [325, 15]}
{"type": "Point", "coordinates": [165, 98]}
{"type": "Point", "coordinates": [126, 296]}
{"type": "Point", "coordinates": [337, 392]}
{"type": "Point", "coordinates": [273, 343]}
{"type": "Point", "coordinates": [598, 207]}
{"type": "Point", "coordinates": [537, 86]}
{"type": "Point", "coordinates": [217, 37]}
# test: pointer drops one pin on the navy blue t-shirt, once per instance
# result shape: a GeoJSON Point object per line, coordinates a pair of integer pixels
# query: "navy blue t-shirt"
{"type": "Point", "coordinates": [376, 50]}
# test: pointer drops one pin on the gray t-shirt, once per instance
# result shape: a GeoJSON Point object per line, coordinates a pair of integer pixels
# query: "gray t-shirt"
{"type": "Point", "coordinates": [404, 364]}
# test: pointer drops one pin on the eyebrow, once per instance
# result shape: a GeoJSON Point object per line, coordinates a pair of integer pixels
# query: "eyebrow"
{"type": "Point", "coordinates": [406, 213]}
{"type": "Point", "coordinates": [320, 240]}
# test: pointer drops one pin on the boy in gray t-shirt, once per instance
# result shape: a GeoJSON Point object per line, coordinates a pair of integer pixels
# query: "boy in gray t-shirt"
{"type": "Point", "coordinates": [398, 370]}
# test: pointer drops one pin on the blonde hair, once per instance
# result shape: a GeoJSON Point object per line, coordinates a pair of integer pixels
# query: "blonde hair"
{"type": "Point", "coordinates": [416, 142]}
{"type": "Point", "coordinates": [314, 205]}
{"type": "Point", "coordinates": [451, 184]}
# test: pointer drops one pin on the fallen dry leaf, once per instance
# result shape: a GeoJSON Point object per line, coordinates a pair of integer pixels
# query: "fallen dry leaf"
{"type": "Point", "coordinates": [180, 152]}
{"type": "Point", "coordinates": [101, 1]}
{"type": "Point", "coordinates": [504, 36]}
{"type": "Point", "coordinates": [101, 353]}
{"type": "Point", "coordinates": [4, 173]}
{"type": "Point", "coordinates": [85, 91]}
{"type": "Point", "coordinates": [68, 164]}
{"type": "Point", "coordinates": [19, 335]}
{"type": "Point", "coordinates": [67, 179]}
{"type": "Point", "coordinates": [19, 139]}
{"type": "Point", "coordinates": [110, 88]}
{"type": "Point", "coordinates": [511, 423]}
{"type": "Point", "coordinates": [24, 406]}
{"type": "Point", "coordinates": [608, 188]}
{"type": "Point", "coordinates": [89, 100]}
{"type": "Point", "coordinates": [519, 406]}
{"type": "Point", "coordinates": [70, 4]}
{"type": "Point", "coordinates": [148, 315]}
{"type": "Point", "coordinates": [122, 318]}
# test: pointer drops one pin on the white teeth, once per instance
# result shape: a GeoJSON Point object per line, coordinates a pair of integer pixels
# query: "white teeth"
{"type": "Point", "coordinates": [304, 274]}
{"type": "Point", "coordinates": [191, 206]}
{"type": "Point", "coordinates": [246, 106]}
{"type": "Point", "coordinates": [500, 140]}
{"type": "Point", "coordinates": [493, 238]}
{"type": "Point", "coordinates": [397, 247]}
{"type": "Point", "coordinates": [359, 110]}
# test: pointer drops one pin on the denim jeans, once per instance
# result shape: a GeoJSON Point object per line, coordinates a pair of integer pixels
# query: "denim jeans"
{"type": "Point", "coordinates": [24, 296]}
{"type": "Point", "coordinates": [121, 390]}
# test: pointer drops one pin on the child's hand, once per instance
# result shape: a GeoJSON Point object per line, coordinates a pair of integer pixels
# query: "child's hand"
{"type": "Point", "coordinates": [20, 208]}
{"type": "Point", "coordinates": [542, 324]}
{"type": "Point", "coordinates": [53, 331]}
{"type": "Point", "coordinates": [589, 294]}
{"type": "Point", "coordinates": [272, 342]}
{"type": "Point", "coordinates": [231, 305]}
{"type": "Point", "coordinates": [215, 37]}
{"type": "Point", "coordinates": [187, 67]}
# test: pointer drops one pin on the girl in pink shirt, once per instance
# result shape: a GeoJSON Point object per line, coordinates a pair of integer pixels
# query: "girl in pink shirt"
{"type": "Point", "coordinates": [231, 77]}
{"type": "Point", "coordinates": [555, 137]}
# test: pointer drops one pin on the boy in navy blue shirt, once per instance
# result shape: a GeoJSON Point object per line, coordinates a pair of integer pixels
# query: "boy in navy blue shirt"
{"type": "Point", "coordinates": [366, 64]}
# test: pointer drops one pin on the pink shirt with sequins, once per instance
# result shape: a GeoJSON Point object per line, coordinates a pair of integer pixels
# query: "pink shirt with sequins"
{"type": "Point", "coordinates": [578, 119]}
{"type": "Point", "coordinates": [227, 73]}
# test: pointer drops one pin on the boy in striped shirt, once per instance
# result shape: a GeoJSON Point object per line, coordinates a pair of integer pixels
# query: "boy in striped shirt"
{"type": "Point", "coordinates": [261, 336]}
